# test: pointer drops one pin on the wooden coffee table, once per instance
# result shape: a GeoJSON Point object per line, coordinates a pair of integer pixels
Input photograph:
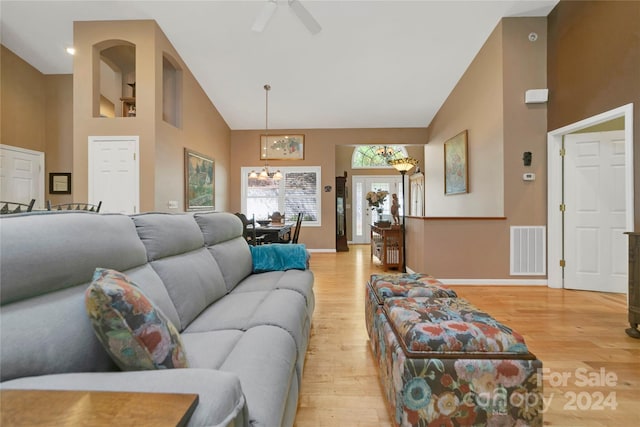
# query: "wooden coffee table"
{"type": "Point", "coordinates": [94, 408]}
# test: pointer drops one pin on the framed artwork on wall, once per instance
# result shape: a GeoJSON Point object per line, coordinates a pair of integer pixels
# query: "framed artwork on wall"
{"type": "Point", "coordinates": [456, 165]}
{"type": "Point", "coordinates": [282, 147]}
{"type": "Point", "coordinates": [199, 176]}
{"type": "Point", "coordinates": [60, 183]}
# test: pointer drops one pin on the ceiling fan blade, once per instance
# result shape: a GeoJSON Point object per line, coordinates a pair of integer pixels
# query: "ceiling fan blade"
{"type": "Point", "coordinates": [305, 17]}
{"type": "Point", "coordinates": [265, 16]}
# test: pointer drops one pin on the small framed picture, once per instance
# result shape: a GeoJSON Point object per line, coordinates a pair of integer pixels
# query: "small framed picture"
{"type": "Point", "coordinates": [60, 183]}
{"type": "Point", "coordinates": [282, 147]}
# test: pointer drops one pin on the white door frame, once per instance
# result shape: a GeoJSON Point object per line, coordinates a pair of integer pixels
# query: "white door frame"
{"type": "Point", "coordinates": [554, 186]}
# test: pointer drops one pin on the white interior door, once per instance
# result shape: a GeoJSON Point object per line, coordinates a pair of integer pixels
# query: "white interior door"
{"type": "Point", "coordinates": [21, 175]}
{"type": "Point", "coordinates": [114, 173]}
{"type": "Point", "coordinates": [362, 215]}
{"type": "Point", "coordinates": [595, 246]}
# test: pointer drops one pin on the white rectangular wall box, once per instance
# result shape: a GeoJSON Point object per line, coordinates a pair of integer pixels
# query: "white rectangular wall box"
{"type": "Point", "coordinates": [536, 96]}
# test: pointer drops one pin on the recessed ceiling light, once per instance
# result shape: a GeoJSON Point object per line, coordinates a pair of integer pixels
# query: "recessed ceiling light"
{"type": "Point", "coordinates": [71, 50]}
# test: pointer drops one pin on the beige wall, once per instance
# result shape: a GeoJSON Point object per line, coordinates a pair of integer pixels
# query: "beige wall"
{"type": "Point", "coordinates": [36, 113]}
{"type": "Point", "coordinates": [466, 236]}
{"type": "Point", "coordinates": [161, 144]}
{"type": "Point", "coordinates": [23, 103]}
{"type": "Point", "coordinates": [320, 150]}
{"type": "Point", "coordinates": [202, 129]}
{"type": "Point", "coordinates": [475, 105]}
{"type": "Point", "coordinates": [584, 82]}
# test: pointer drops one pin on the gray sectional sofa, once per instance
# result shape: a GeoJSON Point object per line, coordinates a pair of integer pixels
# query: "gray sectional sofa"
{"type": "Point", "coordinates": [245, 335]}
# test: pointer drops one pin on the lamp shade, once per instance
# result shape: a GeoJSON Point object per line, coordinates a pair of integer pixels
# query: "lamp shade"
{"type": "Point", "coordinates": [404, 164]}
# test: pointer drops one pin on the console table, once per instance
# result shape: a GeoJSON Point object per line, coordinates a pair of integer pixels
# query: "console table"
{"type": "Point", "coordinates": [386, 245]}
{"type": "Point", "coordinates": [94, 408]}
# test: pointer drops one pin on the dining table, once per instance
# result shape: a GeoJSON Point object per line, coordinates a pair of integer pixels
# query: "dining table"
{"type": "Point", "coordinates": [274, 232]}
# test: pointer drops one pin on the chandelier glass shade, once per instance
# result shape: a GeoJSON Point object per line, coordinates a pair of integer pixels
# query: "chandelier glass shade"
{"type": "Point", "coordinates": [404, 164]}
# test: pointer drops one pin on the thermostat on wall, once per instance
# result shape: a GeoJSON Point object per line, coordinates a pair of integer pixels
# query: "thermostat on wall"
{"type": "Point", "coordinates": [529, 177]}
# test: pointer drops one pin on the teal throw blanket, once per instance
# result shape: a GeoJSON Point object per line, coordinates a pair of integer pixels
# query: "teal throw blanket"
{"type": "Point", "coordinates": [279, 257]}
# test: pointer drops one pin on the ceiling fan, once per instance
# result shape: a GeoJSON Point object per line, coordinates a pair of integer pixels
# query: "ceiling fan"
{"type": "Point", "coordinates": [301, 12]}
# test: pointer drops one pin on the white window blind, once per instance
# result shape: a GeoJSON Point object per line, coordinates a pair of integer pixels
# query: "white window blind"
{"type": "Point", "coordinates": [297, 191]}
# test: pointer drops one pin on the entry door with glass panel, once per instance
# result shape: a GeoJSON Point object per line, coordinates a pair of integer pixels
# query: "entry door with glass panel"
{"type": "Point", "coordinates": [364, 216]}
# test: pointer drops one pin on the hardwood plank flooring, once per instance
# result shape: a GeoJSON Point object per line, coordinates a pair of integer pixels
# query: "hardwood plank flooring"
{"type": "Point", "coordinates": [579, 335]}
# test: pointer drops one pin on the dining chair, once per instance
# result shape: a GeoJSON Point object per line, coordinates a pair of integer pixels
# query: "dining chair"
{"type": "Point", "coordinates": [296, 233]}
{"type": "Point", "coordinates": [77, 206]}
{"type": "Point", "coordinates": [249, 229]}
{"type": "Point", "coordinates": [16, 207]}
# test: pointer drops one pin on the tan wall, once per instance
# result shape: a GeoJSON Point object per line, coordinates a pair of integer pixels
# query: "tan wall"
{"type": "Point", "coordinates": [59, 130]}
{"type": "Point", "coordinates": [475, 105]}
{"type": "Point", "coordinates": [584, 82]}
{"type": "Point", "coordinates": [320, 150]}
{"type": "Point", "coordinates": [161, 144]}
{"type": "Point", "coordinates": [488, 102]}
{"type": "Point", "coordinates": [36, 113]}
{"type": "Point", "coordinates": [23, 103]}
{"type": "Point", "coordinates": [202, 129]}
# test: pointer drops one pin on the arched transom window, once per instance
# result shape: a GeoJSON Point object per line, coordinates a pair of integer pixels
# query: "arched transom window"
{"type": "Point", "coordinates": [376, 156]}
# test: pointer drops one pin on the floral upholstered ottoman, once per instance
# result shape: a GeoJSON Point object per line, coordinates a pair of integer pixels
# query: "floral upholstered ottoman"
{"type": "Point", "coordinates": [383, 286]}
{"type": "Point", "coordinates": [443, 361]}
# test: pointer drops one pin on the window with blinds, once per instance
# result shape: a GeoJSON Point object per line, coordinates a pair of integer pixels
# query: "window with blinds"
{"type": "Point", "coordinates": [297, 191]}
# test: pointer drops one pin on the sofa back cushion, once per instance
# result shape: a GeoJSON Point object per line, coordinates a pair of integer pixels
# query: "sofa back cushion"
{"type": "Point", "coordinates": [42, 253]}
{"type": "Point", "coordinates": [46, 262]}
{"type": "Point", "coordinates": [223, 238]}
{"type": "Point", "coordinates": [175, 249]}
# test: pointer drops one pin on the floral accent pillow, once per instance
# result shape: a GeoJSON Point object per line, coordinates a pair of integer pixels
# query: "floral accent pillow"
{"type": "Point", "coordinates": [135, 333]}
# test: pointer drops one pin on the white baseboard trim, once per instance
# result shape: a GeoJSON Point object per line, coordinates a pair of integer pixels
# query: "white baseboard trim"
{"type": "Point", "coordinates": [327, 251]}
{"type": "Point", "coordinates": [499, 282]}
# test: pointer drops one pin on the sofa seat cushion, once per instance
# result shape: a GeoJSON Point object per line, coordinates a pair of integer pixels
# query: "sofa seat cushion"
{"type": "Point", "coordinates": [242, 311]}
{"type": "Point", "coordinates": [449, 325]}
{"type": "Point", "coordinates": [221, 402]}
{"type": "Point", "coordinates": [408, 285]}
{"type": "Point", "coordinates": [300, 281]}
{"type": "Point", "coordinates": [136, 334]}
{"type": "Point", "coordinates": [265, 359]}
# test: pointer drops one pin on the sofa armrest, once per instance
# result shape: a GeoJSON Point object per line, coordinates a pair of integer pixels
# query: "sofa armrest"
{"type": "Point", "coordinates": [221, 401]}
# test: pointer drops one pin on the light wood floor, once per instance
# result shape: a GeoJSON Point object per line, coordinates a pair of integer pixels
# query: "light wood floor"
{"type": "Point", "coordinates": [576, 334]}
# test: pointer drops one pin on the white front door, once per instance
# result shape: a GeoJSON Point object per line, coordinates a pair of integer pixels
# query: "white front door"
{"type": "Point", "coordinates": [595, 246]}
{"type": "Point", "coordinates": [362, 215]}
{"type": "Point", "coordinates": [114, 173]}
{"type": "Point", "coordinates": [21, 175]}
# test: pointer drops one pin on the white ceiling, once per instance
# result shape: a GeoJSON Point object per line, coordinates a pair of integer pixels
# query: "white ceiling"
{"type": "Point", "coordinates": [374, 64]}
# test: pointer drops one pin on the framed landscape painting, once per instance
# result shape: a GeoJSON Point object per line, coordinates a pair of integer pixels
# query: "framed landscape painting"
{"type": "Point", "coordinates": [199, 175]}
{"type": "Point", "coordinates": [456, 167]}
{"type": "Point", "coordinates": [282, 147]}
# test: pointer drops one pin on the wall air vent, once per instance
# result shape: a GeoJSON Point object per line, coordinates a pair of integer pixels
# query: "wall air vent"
{"type": "Point", "coordinates": [528, 251]}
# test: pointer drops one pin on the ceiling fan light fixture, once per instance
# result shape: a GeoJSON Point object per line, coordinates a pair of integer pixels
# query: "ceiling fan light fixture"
{"type": "Point", "coordinates": [305, 17]}
{"type": "Point", "coordinates": [265, 16]}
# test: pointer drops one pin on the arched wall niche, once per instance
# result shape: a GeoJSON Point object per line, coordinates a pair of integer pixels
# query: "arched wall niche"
{"type": "Point", "coordinates": [114, 79]}
{"type": "Point", "coordinates": [171, 90]}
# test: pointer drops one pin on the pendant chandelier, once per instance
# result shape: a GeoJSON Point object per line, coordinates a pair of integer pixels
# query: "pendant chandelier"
{"type": "Point", "coordinates": [265, 173]}
{"type": "Point", "coordinates": [385, 152]}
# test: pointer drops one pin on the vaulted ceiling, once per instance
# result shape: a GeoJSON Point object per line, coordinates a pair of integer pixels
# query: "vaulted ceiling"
{"type": "Point", "coordinates": [373, 64]}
